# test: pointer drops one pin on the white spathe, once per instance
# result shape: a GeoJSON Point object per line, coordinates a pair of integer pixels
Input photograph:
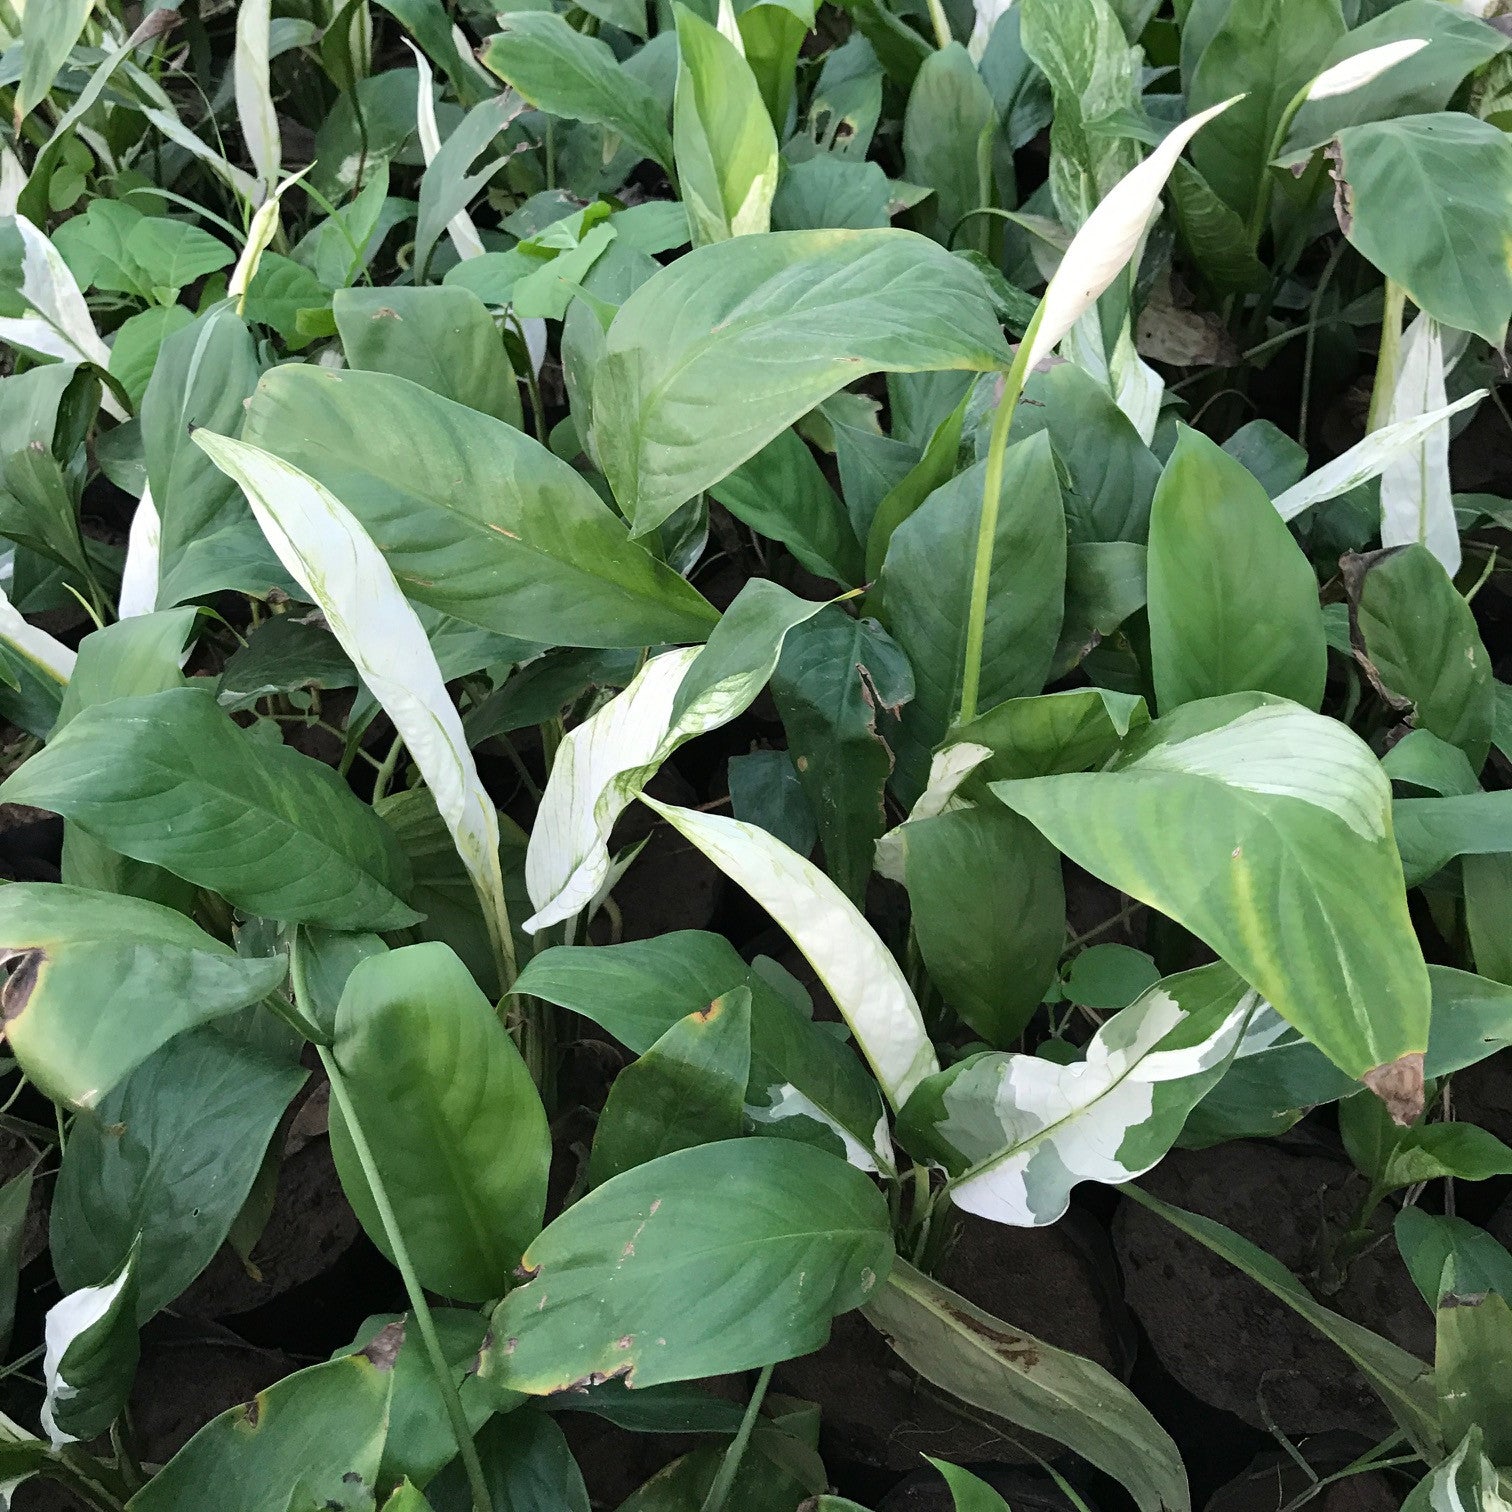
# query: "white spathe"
{"type": "Point", "coordinates": [1356, 72]}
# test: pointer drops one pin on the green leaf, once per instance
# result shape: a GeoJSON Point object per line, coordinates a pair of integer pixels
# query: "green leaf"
{"type": "Point", "coordinates": [802, 1078]}
{"type": "Point", "coordinates": [134, 352]}
{"type": "Point", "coordinates": [1431, 832]}
{"type": "Point", "coordinates": [283, 292]}
{"type": "Point", "coordinates": [836, 678]}
{"type": "Point", "coordinates": [989, 911]}
{"type": "Point", "coordinates": [830, 191]}
{"type": "Point", "coordinates": [1017, 1132]}
{"type": "Point", "coordinates": [15, 1205]}
{"type": "Point", "coordinates": [765, 791]}
{"type": "Point", "coordinates": [969, 1492]}
{"type": "Point", "coordinates": [322, 1428]}
{"type": "Point", "coordinates": [1001, 1370]}
{"type": "Point", "coordinates": [38, 510]}
{"type": "Point", "coordinates": [97, 983]}
{"type": "Point", "coordinates": [926, 591]}
{"type": "Point", "coordinates": [440, 338]}
{"type": "Point", "coordinates": [1051, 732]}
{"type": "Point", "coordinates": [782, 493]}
{"type": "Point", "coordinates": [203, 376]}
{"type": "Point", "coordinates": [420, 1439]}
{"type": "Point", "coordinates": [288, 652]}
{"type": "Point", "coordinates": [947, 137]}
{"type": "Point", "coordinates": [1265, 830]}
{"type": "Point", "coordinates": [776, 323]}
{"type": "Point", "coordinates": [1421, 643]}
{"type": "Point", "coordinates": [1113, 473]}
{"type": "Point", "coordinates": [933, 470]}
{"type": "Point", "coordinates": [1429, 1241]}
{"type": "Point", "coordinates": [1265, 50]}
{"type": "Point", "coordinates": [566, 73]}
{"type": "Point", "coordinates": [687, 1089]}
{"type": "Point", "coordinates": [864, 980]}
{"type": "Point", "coordinates": [476, 519]}
{"type": "Point", "coordinates": [1233, 601]}
{"type": "Point", "coordinates": [726, 149]}
{"type": "Point", "coordinates": [604, 762]}
{"type": "Point", "coordinates": [1450, 254]}
{"type": "Point", "coordinates": [1402, 1381]}
{"type": "Point", "coordinates": [172, 254]}
{"type": "Point", "coordinates": [1214, 234]}
{"type": "Point", "coordinates": [169, 778]}
{"type": "Point", "coordinates": [1473, 1368]}
{"type": "Point", "coordinates": [1431, 1152]}
{"type": "Point", "coordinates": [527, 1466]}
{"type": "Point", "coordinates": [456, 1126]}
{"type": "Point", "coordinates": [645, 1278]}
{"type": "Point", "coordinates": [48, 35]}
{"type": "Point", "coordinates": [1458, 43]}
{"type": "Point", "coordinates": [92, 1351]}
{"type": "Point", "coordinates": [165, 1161]}
{"type": "Point", "coordinates": [1109, 977]}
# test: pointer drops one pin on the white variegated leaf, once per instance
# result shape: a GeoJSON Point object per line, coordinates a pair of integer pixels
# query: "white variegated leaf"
{"type": "Point", "coordinates": [1417, 501]}
{"type": "Point", "coordinates": [463, 233]}
{"type": "Point", "coordinates": [59, 324]}
{"type": "Point", "coordinates": [948, 769]}
{"type": "Point", "coordinates": [1465, 1482]}
{"type": "Point", "coordinates": [605, 761]}
{"type": "Point", "coordinates": [51, 657]}
{"type": "Point", "coordinates": [139, 575]}
{"type": "Point", "coordinates": [90, 1350]}
{"type": "Point", "coordinates": [988, 14]}
{"type": "Point", "coordinates": [1108, 1117]}
{"type": "Point", "coordinates": [855, 966]}
{"type": "Point", "coordinates": [598, 769]}
{"type": "Point", "coordinates": [327, 552]}
{"type": "Point", "coordinates": [254, 94]}
{"type": "Point", "coordinates": [12, 181]}
{"type": "Point", "coordinates": [788, 1102]}
{"type": "Point", "coordinates": [1109, 239]}
{"type": "Point", "coordinates": [1367, 459]}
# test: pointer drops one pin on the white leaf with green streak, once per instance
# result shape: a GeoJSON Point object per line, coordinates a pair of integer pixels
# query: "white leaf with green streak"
{"type": "Point", "coordinates": [463, 233]}
{"type": "Point", "coordinates": [326, 551]}
{"type": "Point", "coordinates": [1029, 1129]}
{"type": "Point", "coordinates": [254, 94]}
{"type": "Point", "coordinates": [605, 761]}
{"type": "Point", "coordinates": [90, 1356]}
{"type": "Point", "coordinates": [1367, 459]}
{"type": "Point", "coordinates": [860, 974]}
{"type": "Point", "coordinates": [1266, 830]}
{"type": "Point", "coordinates": [1417, 500]}
{"type": "Point", "coordinates": [49, 656]}
{"type": "Point", "coordinates": [59, 324]}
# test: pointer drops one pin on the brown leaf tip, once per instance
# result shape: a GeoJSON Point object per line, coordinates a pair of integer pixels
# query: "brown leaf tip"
{"type": "Point", "coordinates": [1400, 1086]}
{"type": "Point", "coordinates": [383, 1348]}
{"type": "Point", "coordinates": [22, 982]}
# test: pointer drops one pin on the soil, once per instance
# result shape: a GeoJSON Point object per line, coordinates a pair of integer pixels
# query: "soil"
{"type": "Point", "coordinates": [1224, 1338]}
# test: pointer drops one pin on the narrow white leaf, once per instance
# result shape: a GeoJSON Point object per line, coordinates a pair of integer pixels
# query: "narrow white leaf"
{"type": "Point", "coordinates": [855, 966]}
{"type": "Point", "coordinates": [729, 27]}
{"type": "Point", "coordinates": [12, 181]}
{"type": "Point", "coordinates": [139, 575]}
{"type": "Point", "coordinates": [326, 551]}
{"type": "Point", "coordinates": [254, 93]}
{"type": "Point", "coordinates": [1366, 460]}
{"type": "Point", "coordinates": [1417, 502]}
{"type": "Point", "coordinates": [50, 656]}
{"type": "Point", "coordinates": [1110, 237]}
{"type": "Point", "coordinates": [1356, 72]}
{"type": "Point", "coordinates": [598, 770]}
{"type": "Point", "coordinates": [1066, 1124]}
{"type": "Point", "coordinates": [75, 1315]}
{"type": "Point", "coordinates": [463, 233]}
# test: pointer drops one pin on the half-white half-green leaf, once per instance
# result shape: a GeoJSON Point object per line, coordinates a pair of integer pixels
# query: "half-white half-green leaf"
{"type": "Point", "coordinates": [90, 1356]}
{"type": "Point", "coordinates": [1017, 1132]}
{"type": "Point", "coordinates": [859, 972]}
{"type": "Point", "coordinates": [605, 761]}
{"type": "Point", "coordinates": [326, 551]}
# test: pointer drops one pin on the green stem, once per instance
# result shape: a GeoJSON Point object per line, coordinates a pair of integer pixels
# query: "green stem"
{"type": "Point", "coordinates": [1388, 359]}
{"type": "Point", "coordinates": [482, 1501]}
{"type": "Point", "coordinates": [386, 771]}
{"type": "Point", "coordinates": [1260, 215]}
{"type": "Point", "coordinates": [729, 1467]}
{"type": "Point", "coordinates": [941, 24]}
{"type": "Point", "coordinates": [992, 490]}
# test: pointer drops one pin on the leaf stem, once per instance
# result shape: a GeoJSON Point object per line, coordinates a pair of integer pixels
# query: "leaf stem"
{"type": "Point", "coordinates": [729, 1467]}
{"type": "Point", "coordinates": [941, 24]}
{"type": "Point", "coordinates": [482, 1501]}
{"type": "Point", "coordinates": [1388, 359]}
{"type": "Point", "coordinates": [992, 491]}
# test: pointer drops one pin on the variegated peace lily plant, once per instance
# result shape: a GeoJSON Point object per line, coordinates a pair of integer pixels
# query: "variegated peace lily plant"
{"type": "Point", "coordinates": [420, 424]}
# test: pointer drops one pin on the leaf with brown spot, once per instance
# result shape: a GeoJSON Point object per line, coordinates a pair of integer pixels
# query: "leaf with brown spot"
{"type": "Point", "coordinates": [1033, 1385]}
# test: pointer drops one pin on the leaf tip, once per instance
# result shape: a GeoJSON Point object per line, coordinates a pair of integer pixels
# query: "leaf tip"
{"type": "Point", "coordinates": [1399, 1085]}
